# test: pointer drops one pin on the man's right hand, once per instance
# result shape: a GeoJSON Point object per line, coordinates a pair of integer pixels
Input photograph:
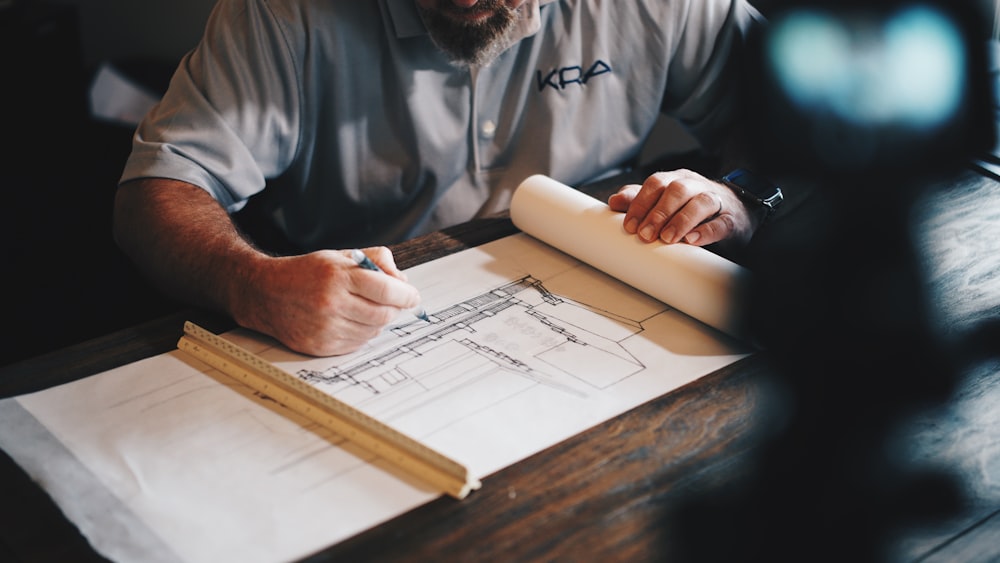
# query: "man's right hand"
{"type": "Point", "coordinates": [320, 303]}
{"type": "Point", "coordinates": [323, 303]}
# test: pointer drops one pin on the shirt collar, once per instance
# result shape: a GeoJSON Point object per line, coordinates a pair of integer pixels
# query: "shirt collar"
{"type": "Point", "coordinates": [407, 23]}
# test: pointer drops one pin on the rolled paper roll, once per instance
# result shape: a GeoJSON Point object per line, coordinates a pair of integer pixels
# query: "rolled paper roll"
{"type": "Point", "coordinates": [693, 280]}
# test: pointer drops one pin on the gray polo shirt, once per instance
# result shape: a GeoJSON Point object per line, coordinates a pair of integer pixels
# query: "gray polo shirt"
{"type": "Point", "coordinates": [355, 130]}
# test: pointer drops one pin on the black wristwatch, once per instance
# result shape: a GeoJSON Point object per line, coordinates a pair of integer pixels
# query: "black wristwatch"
{"type": "Point", "coordinates": [754, 189]}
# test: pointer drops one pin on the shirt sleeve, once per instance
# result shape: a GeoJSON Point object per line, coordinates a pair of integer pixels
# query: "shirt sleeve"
{"type": "Point", "coordinates": [229, 119]}
{"type": "Point", "coordinates": [703, 87]}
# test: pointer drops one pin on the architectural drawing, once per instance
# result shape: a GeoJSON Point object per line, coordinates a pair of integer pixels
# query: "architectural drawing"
{"type": "Point", "coordinates": [527, 346]}
{"type": "Point", "coordinates": [519, 332]}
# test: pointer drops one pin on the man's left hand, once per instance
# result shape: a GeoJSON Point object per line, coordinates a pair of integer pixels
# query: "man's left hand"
{"type": "Point", "coordinates": [683, 206]}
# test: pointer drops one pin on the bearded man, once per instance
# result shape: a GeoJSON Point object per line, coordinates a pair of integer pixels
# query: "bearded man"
{"type": "Point", "coordinates": [360, 123]}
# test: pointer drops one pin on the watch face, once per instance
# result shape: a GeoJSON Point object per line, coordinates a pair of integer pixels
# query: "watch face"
{"type": "Point", "coordinates": [761, 189]}
{"type": "Point", "coordinates": [754, 187]}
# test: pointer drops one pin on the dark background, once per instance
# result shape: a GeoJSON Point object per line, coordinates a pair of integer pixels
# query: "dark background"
{"type": "Point", "coordinates": [64, 279]}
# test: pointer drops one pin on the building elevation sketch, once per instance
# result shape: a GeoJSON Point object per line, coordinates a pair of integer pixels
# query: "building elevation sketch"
{"type": "Point", "coordinates": [519, 331]}
{"type": "Point", "coordinates": [515, 326]}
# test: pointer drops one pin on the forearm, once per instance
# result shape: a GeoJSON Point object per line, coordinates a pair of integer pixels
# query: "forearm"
{"type": "Point", "coordinates": [318, 303]}
{"type": "Point", "coordinates": [184, 242]}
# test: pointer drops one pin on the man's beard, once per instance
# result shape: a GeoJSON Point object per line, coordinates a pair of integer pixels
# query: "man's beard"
{"type": "Point", "coordinates": [470, 44]}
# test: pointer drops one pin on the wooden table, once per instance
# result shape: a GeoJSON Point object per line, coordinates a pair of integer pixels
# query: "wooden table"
{"type": "Point", "coordinates": [643, 486]}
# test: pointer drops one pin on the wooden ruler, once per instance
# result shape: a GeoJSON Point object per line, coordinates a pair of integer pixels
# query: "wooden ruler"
{"type": "Point", "coordinates": [415, 458]}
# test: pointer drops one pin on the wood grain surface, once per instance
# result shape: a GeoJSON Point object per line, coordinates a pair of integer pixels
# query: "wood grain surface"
{"type": "Point", "coordinates": [622, 490]}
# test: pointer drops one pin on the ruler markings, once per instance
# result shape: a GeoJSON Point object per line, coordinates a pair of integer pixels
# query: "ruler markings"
{"type": "Point", "coordinates": [388, 443]}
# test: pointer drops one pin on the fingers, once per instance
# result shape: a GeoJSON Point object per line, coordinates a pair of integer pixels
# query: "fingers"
{"type": "Point", "coordinates": [681, 206]}
{"type": "Point", "coordinates": [700, 208]}
{"type": "Point", "coordinates": [323, 303]}
{"type": "Point", "coordinates": [383, 257]}
{"type": "Point", "coordinates": [719, 228]}
{"type": "Point", "coordinates": [622, 200]}
{"type": "Point", "coordinates": [661, 196]}
{"type": "Point", "coordinates": [385, 289]}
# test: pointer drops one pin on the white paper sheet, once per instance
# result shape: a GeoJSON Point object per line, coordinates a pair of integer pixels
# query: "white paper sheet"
{"type": "Point", "coordinates": [528, 347]}
{"type": "Point", "coordinates": [114, 97]}
{"type": "Point", "coordinates": [692, 279]}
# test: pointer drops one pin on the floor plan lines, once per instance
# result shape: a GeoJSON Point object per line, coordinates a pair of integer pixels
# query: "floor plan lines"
{"type": "Point", "coordinates": [489, 346]}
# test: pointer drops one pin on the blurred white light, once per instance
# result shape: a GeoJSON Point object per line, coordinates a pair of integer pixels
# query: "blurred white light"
{"type": "Point", "coordinates": [811, 53]}
{"type": "Point", "coordinates": [926, 63]}
{"type": "Point", "coordinates": [907, 70]}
